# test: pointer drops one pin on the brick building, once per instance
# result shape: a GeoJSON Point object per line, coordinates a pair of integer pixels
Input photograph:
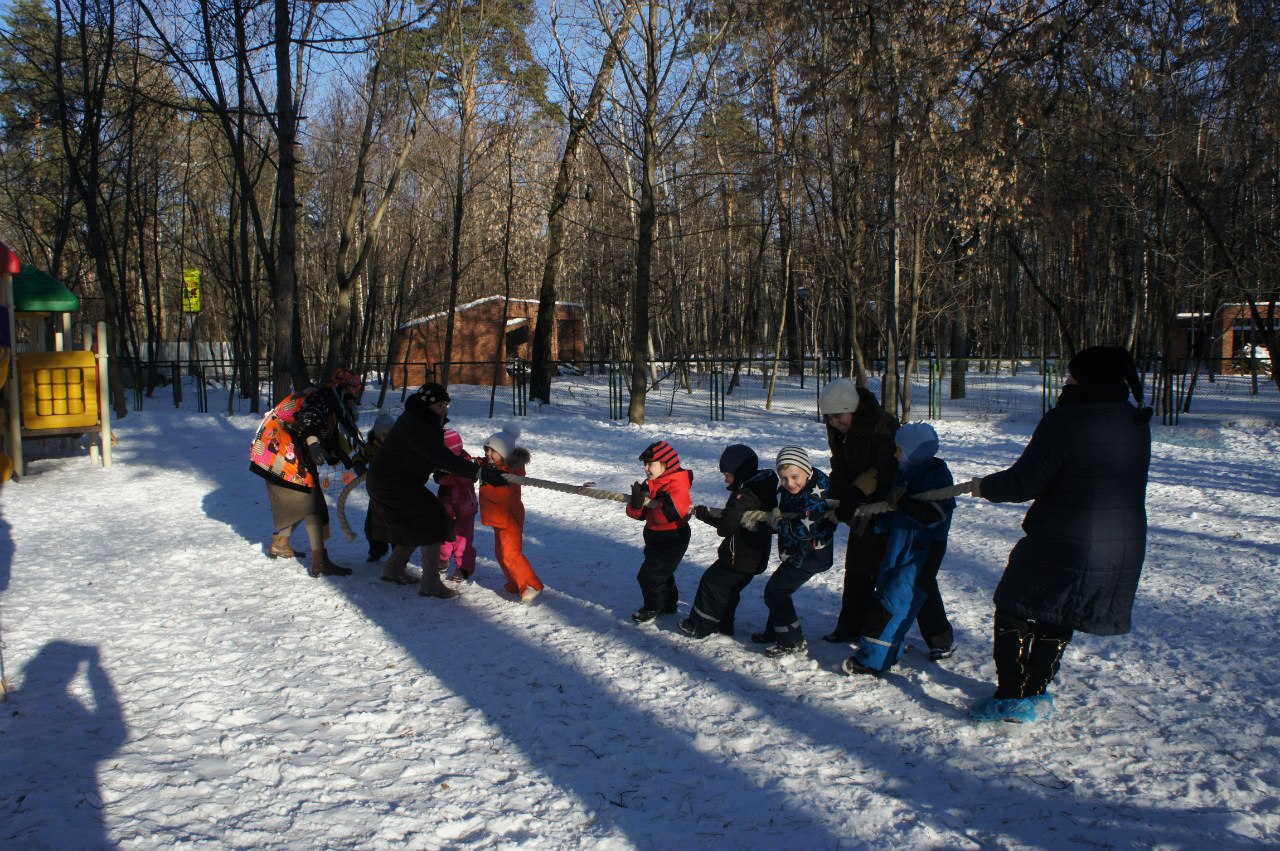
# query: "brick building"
{"type": "Point", "coordinates": [1220, 338]}
{"type": "Point", "coordinates": [480, 339]}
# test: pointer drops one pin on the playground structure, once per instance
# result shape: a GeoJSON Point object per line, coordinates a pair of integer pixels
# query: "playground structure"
{"type": "Point", "coordinates": [47, 393]}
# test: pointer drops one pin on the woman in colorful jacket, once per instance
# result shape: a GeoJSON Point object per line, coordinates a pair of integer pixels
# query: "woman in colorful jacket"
{"type": "Point", "coordinates": [306, 430]}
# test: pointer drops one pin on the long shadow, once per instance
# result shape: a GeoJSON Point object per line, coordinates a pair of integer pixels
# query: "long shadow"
{"type": "Point", "coordinates": [54, 743]}
{"type": "Point", "coordinates": [602, 739]}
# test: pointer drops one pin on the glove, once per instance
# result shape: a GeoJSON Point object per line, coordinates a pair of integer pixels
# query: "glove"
{"type": "Point", "coordinates": [318, 456]}
{"type": "Point", "coordinates": [849, 505]}
{"type": "Point", "coordinates": [639, 493]}
{"type": "Point", "coordinates": [975, 486]}
{"type": "Point", "coordinates": [867, 482]}
{"type": "Point", "coordinates": [492, 476]}
{"type": "Point", "coordinates": [896, 496]}
{"type": "Point", "coordinates": [704, 514]}
{"type": "Point", "coordinates": [360, 467]}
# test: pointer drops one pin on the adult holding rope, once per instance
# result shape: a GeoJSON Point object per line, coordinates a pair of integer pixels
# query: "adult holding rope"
{"type": "Point", "coordinates": [1078, 565]}
{"type": "Point", "coordinates": [402, 511]}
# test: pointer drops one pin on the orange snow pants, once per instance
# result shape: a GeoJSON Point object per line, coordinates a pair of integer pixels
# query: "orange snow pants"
{"type": "Point", "coordinates": [508, 545]}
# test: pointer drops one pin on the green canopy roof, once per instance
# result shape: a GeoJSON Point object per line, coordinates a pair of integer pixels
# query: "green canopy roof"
{"type": "Point", "coordinates": [35, 291]}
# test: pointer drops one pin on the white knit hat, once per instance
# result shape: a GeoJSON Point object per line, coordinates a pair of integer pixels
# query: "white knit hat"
{"type": "Point", "coordinates": [838, 397]}
{"type": "Point", "coordinates": [504, 442]}
{"type": "Point", "coordinates": [796, 457]}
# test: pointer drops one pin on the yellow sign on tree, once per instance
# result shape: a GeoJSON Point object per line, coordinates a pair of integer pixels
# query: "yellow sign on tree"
{"type": "Point", "coordinates": [190, 290]}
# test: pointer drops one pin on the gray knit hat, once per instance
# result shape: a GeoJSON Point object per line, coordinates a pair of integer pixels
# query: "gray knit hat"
{"type": "Point", "coordinates": [796, 457]}
{"type": "Point", "coordinates": [838, 397]}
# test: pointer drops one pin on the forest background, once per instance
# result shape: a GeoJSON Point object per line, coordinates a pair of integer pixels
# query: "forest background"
{"type": "Point", "coordinates": [867, 181]}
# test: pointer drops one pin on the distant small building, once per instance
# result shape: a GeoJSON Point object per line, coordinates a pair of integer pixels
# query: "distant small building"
{"type": "Point", "coordinates": [1221, 337]}
{"type": "Point", "coordinates": [480, 339]}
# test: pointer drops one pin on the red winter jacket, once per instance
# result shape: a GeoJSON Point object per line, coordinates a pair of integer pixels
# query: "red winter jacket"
{"type": "Point", "coordinates": [669, 501]}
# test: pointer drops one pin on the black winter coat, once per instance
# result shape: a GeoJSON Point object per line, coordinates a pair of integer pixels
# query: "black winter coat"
{"type": "Point", "coordinates": [401, 509]}
{"type": "Point", "coordinates": [1086, 532]}
{"type": "Point", "coordinates": [746, 550]}
{"type": "Point", "coordinates": [866, 445]}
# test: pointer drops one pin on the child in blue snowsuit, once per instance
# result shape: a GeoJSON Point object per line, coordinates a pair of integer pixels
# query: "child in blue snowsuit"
{"type": "Point", "coordinates": [915, 529]}
{"type": "Point", "coordinates": [804, 543]}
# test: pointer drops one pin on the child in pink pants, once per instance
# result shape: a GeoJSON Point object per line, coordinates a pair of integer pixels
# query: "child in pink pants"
{"type": "Point", "coordinates": [458, 495]}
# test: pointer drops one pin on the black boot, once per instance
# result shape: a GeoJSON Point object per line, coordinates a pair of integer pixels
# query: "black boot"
{"type": "Point", "coordinates": [1011, 650]}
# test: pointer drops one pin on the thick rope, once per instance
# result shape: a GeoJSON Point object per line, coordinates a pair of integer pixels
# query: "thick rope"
{"type": "Point", "coordinates": [580, 490]}
{"type": "Point", "coordinates": [342, 507]}
{"type": "Point", "coordinates": [865, 510]}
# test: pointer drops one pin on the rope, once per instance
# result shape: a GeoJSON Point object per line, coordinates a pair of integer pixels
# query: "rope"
{"type": "Point", "coordinates": [865, 510]}
{"type": "Point", "coordinates": [580, 490]}
{"type": "Point", "coordinates": [342, 507]}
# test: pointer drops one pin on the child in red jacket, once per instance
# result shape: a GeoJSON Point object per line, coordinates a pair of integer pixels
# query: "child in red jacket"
{"type": "Point", "coordinates": [502, 509]}
{"type": "Point", "coordinates": [664, 504]}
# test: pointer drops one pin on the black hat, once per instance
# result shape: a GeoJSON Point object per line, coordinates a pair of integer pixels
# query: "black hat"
{"type": "Point", "coordinates": [1109, 367]}
{"type": "Point", "coordinates": [432, 393]}
{"type": "Point", "coordinates": [739, 460]}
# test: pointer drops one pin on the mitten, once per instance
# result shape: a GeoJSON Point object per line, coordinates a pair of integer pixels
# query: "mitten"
{"type": "Point", "coordinates": [360, 467]}
{"type": "Point", "coordinates": [492, 476]}
{"type": "Point", "coordinates": [849, 505]}
{"type": "Point", "coordinates": [704, 514]}
{"type": "Point", "coordinates": [639, 493]}
{"type": "Point", "coordinates": [896, 496]}
{"type": "Point", "coordinates": [318, 456]}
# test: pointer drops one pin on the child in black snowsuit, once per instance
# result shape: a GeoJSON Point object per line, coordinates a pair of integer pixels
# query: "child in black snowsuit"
{"type": "Point", "coordinates": [744, 551]}
{"type": "Point", "coordinates": [804, 542]}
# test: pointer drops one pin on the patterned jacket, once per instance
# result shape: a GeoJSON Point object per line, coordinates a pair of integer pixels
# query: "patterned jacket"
{"type": "Point", "coordinates": [814, 530]}
{"type": "Point", "coordinates": [278, 452]}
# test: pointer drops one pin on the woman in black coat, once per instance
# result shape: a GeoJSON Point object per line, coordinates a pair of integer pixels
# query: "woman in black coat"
{"type": "Point", "coordinates": [402, 511]}
{"type": "Point", "coordinates": [1079, 563]}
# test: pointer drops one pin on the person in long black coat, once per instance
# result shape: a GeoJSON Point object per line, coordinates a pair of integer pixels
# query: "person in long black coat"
{"type": "Point", "coordinates": [402, 511]}
{"type": "Point", "coordinates": [1078, 566]}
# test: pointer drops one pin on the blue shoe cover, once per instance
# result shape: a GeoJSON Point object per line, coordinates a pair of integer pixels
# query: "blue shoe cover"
{"type": "Point", "coordinates": [1019, 710]}
{"type": "Point", "coordinates": [1043, 704]}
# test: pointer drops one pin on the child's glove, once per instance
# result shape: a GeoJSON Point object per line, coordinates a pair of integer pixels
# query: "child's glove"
{"type": "Point", "coordinates": [896, 496]}
{"type": "Point", "coordinates": [360, 467]}
{"type": "Point", "coordinates": [492, 476]}
{"type": "Point", "coordinates": [639, 493]}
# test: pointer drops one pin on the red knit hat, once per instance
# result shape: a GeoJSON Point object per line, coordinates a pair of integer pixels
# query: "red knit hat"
{"type": "Point", "coordinates": [663, 453]}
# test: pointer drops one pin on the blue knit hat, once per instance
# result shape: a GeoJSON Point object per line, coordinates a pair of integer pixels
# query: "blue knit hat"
{"type": "Point", "coordinates": [918, 441]}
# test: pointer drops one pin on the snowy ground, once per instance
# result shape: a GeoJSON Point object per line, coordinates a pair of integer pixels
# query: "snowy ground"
{"type": "Point", "coordinates": [171, 685]}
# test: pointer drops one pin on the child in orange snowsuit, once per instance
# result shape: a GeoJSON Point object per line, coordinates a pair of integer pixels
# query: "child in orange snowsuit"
{"type": "Point", "coordinates": [502, 510]}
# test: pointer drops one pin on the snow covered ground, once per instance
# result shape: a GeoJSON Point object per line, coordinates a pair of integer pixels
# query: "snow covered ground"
{"type": "Point", "coordinates": [171, 685]}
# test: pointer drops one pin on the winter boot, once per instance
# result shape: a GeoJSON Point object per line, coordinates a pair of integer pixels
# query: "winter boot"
{"type": "Point", "coordinates": [280, 547]}
{"type": "Point", "coordinates": [1045, 657]}
{"type": "Point", "coordinates": [394, 570]}
{"type": "Point", "coordinates": [321, 566]}
{"type": "Point", "coordinates": [431, 585]}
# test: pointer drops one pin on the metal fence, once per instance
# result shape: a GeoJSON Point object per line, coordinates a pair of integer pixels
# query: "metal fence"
{"type": "Point", "coordinates": [712, 389]}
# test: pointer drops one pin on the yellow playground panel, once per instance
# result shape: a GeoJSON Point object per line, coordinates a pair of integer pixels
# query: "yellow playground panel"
{"type": "Point", "coordinates": [59, 390]}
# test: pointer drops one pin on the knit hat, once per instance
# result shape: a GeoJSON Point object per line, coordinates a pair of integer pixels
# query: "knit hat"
{"type": "Point", "coordinates": [740, 461]}
{"type": "Point", "coordinates": [432, 393]}
{"type": "Point", "coordinates": [1107, 368]}
{"type": "Point", "coordinates": [346, 382]}
{"type": "Point", "coordinates": [918, 441]}
{"type": "Point", "coordinates": [381, 426]}
{"type": "Point", "coordinates": [796, 457]}
{"type": "Point", "coordinates": [662, 452]}
{"type": "Point", "coordinates": [503, 442]}
{"type": "Point", "coordinates": [838, 397]}
{"type": "Point", "coordinates": [453, 442]}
